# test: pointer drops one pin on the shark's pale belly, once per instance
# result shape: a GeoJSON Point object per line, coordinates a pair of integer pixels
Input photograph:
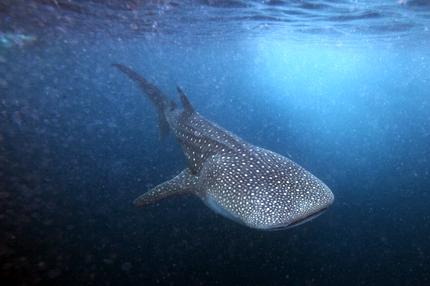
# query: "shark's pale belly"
{"type": "Point", "coordinates": [213, 204]}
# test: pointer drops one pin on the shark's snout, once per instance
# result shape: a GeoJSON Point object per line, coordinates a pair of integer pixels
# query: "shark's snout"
{"type": "Point", "coordinates": [309, 209]}
{"type": "Point", "coordinates": [301, 208]}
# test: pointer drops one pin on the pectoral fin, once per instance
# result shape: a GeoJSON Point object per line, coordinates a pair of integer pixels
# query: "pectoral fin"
{"type": "Point", "coordinates": [181, 184]}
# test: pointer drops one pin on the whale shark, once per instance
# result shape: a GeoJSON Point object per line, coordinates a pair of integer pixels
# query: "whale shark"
{"type": "Point", "coordinates": [250, 185]}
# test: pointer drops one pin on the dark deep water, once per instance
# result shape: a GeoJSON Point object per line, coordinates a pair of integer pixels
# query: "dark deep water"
{"type": "Point", "coordinates": [341, 87]}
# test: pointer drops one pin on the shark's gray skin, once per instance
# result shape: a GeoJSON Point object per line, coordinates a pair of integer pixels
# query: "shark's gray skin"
{"type": "Point", "coordinates": [248, 184]}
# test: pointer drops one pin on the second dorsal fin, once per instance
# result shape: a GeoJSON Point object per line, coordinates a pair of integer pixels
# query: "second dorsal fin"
{"type": "Point", "coordinates": [185, 102]}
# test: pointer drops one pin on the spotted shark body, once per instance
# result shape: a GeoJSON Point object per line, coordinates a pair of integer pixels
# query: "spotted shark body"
{"type": "Point", "coordinates": [248, 184]}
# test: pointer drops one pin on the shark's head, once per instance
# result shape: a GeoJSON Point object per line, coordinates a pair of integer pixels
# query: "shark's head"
{"type": "Point", "coordinates": [286, 195]}
{"type": "Point", "coordinates": [305, 203]}
{"type": "Point", "coordinates": [289, 203]}
{"type": "Point", "coordinates": [264, 190]}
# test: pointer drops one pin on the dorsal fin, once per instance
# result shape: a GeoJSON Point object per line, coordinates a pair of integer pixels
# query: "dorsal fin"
{"type": "Point", "coordinates": [184, 99]}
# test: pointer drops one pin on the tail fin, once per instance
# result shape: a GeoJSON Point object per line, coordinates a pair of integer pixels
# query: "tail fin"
{"type": "Point", "coordinates": [154, 94]}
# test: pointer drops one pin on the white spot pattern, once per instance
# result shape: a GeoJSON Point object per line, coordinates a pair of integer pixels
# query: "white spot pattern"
{"type": "Point", "coordinates": [229, 171]}
{"type": "Point", "coordinates": [248, 184]}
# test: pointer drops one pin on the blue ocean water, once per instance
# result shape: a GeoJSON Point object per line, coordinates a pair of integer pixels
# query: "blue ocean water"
{"type": "Point", "coordinates": [341, 87]}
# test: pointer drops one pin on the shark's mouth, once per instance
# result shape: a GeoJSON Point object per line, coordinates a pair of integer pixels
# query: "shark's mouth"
{"type": "Point", "coordinates": [300, 221]}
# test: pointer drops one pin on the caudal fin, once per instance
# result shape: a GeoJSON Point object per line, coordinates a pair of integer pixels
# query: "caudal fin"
{"type": "Point", "coordinates": [154, 94]}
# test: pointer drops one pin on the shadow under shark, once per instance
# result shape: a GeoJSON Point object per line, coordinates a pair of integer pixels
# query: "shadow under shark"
{"type": "Point", "coordinates": [247, 184]}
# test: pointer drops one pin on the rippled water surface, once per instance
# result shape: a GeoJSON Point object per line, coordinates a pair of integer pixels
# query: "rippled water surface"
{"type": "Point", "coordinates": [220, 19]}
